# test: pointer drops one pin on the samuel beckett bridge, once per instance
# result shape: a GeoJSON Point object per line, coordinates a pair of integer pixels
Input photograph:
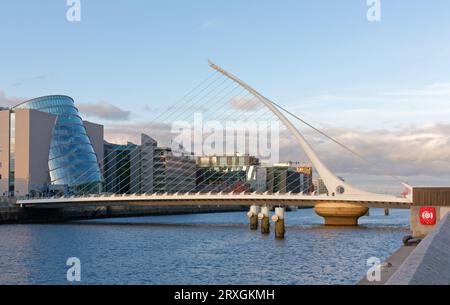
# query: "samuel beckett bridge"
{"type": "Point", "coordinates": [344, 203]}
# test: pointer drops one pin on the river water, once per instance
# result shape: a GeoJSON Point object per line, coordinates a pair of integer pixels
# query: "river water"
{"type": "Point", "coordinates": [198, 249]}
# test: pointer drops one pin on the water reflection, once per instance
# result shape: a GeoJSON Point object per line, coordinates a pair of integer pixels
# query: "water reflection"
{"type": "Point", "coordinates": [198, 249]}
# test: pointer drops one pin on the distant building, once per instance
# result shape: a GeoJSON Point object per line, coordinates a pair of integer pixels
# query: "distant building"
{"type": "Point", "coordinates": [236, 173]}
{"type": "Point", "coordinates": [320, 187]}
{"type": "Point", "coordinates": [173, 173]}
{"type": "Point", "coordinates": [45, 147]}
{"type": "Point", "coordinates": [307, 183]}
{"type": "Point", "coordinates": [214, 180]}
{"type": "Point", "coordinates": [147, 168]}
{"type": "Point", "coordinates": [148, 150]}
{"type": "Point", "coordinates": [259, 184]}
{"type": "Point", "coordinates": [289, 178]}
{"type": "Point", "coordinates": [128, 169]}
{"type": "Point", "coordinates": [122, 168]}
{"type": "Point", "coordinates": [236, 161]}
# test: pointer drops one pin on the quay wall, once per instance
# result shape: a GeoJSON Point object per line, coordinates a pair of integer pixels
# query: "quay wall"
{"type": "Point", "coordinates": [11, 215]}
{"type": "Point", "coordinates": [429, 263]}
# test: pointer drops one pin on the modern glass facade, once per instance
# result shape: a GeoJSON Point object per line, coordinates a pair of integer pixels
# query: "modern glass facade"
{"type": "Point", "coordinates": [72, 159]}
{"type": "Point", "coordinates": [122, 168]}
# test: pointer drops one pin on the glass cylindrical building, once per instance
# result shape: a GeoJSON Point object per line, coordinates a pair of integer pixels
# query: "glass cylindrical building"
{"type": "Point", "coordinates": [72, 159]}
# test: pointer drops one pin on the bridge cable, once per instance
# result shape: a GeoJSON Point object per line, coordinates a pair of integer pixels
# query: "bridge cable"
{"type": "Point", "coordinates": [336, 141]}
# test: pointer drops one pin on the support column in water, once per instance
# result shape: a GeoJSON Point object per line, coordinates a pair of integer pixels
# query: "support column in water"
{"type": "Point", "coordinates": [253, 216]}
{"type": "Point", "coordinates": [278, 219]}
{"type": "Point", "coordinates": [264, 216]}
{"type": "Point", "coordinates": [340, 213]}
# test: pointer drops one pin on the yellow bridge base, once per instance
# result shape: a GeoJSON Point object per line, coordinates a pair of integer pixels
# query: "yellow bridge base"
{"type": "Point", "coordinates": [340, 214]}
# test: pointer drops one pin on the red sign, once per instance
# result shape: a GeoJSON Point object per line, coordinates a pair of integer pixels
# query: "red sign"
{"type": "Point", "coordinates": [428, 216]}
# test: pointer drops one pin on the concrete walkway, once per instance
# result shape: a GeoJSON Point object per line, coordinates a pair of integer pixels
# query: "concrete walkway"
{"type": "Point", "coordinates": [391, 265]}
{"type": "Point", "coordinates": [429, 263]}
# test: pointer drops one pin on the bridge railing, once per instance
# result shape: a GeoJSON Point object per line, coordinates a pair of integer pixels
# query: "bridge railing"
{"type": "Point", "coordinates": [328, 197]}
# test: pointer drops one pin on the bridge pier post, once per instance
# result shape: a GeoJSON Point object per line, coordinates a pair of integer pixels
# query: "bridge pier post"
{"type": "Point", "coordinates": [264, 216]}
{"type": "Point", "coordinates": [253, 216]}
{"type": "Point", "coordinates": [278, 219]}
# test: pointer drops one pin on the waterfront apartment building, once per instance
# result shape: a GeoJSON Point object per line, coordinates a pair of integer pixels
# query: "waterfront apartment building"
{"type": "Point", "coordinates": [128, 169]}
{"type": "Point", "coordinates": [147, 168]}
{"type": "Point", "coordinates": [320, 187]}
{"type": "Point", "coordinates": [289, 177]}
{"type": "Point", "coordinates": [214, 180]}
{"type": "Point", "coordinates": [45, 147]}
{"type": "Point", "coordinates": [307, 183]}
{"type": "Point", "coordinates": [174, 172]}
{"type": "Point", "coordinates": [122, 168]}
{"type": "Point", "coordinates": [236, 173]}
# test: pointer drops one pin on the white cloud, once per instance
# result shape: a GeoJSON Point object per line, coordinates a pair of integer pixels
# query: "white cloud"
{"type": "Point", "coordinates": [8, 101]}
{"type": "Point", "coordinates": [104, 110]}
{"type": "Point", "coordinates": [131, 132]}
{"type": "Point", "coordinates": [245, 103]}
{"type": "Point", "coordinates": [407, 152]}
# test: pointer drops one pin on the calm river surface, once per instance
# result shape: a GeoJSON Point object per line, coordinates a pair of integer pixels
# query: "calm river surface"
{"type": "Point", "coordinates": [198, 249]}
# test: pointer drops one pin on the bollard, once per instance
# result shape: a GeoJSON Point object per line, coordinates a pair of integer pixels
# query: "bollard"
{"type": "Point", "coordinates": [386, 212]}
{"type": "Point", "coordinates": [264, 216]}
{"type": "Point", "coordinates": [278, 219]}
{"type": "Point", "coordinates": [253, 216]}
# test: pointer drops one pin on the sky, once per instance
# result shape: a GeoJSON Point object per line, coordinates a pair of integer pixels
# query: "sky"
{"type": "Point", "coordinates": [381, 87]}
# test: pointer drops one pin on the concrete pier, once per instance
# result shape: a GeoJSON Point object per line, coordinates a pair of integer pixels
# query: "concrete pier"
{"type": "Point", "coordinates": [253, 216]}
{"type": "Point", "coordinates": [340, 214]}
{"type": "Point", "coordinates": [278, 219]}
{"type": "Point", "coordinates": [264, 216]}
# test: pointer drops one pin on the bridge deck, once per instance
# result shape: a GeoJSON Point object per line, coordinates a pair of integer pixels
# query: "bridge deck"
{"type": "Point", "coordinates": [371, 201]}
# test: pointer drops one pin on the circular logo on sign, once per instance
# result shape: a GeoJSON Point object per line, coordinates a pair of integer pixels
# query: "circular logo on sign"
{"type": "Point", "coordinates": [428, 216]}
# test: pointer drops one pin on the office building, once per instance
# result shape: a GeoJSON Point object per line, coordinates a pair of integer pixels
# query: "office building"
{"type": "Point", "coordinates": [289, 178]}
{"type": "Point", "coordinates": [236, 173]}
{"type": "Point", "coordinates": [174, 172]}
{"type": "Point", "coordinates": [46, 147]}
{"type": "Point", "coordinates": [320, 187]}
{"type": "Point", "coordinates": [128, 169]}
{"type": "Point", "coordinates": [122, 169]}
{"type": "Point", "coordinates": [147, 168]}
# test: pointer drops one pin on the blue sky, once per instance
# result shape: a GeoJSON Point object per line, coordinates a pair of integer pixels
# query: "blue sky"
{"type": "Point", "coordinates": [322, 58]}
{"type": "Point", "coordinates": [145, 52]}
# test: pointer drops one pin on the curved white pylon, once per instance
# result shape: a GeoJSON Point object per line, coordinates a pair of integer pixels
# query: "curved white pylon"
{"type": "Point", "coordinates": [332, 182]}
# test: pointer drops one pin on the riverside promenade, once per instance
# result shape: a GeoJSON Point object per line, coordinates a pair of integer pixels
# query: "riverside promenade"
{"type": "Point", "coordinates": [427, 263]}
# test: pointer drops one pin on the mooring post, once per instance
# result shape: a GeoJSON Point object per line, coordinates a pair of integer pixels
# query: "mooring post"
{"type": "Point", "coordinates": [264, 216]}
{"type": "Point", "coordinates": [386, 212]}
{"type": "Point", "coordinates": [253, 216]}
{"type": "Point", "coordinates": [278, 219]}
